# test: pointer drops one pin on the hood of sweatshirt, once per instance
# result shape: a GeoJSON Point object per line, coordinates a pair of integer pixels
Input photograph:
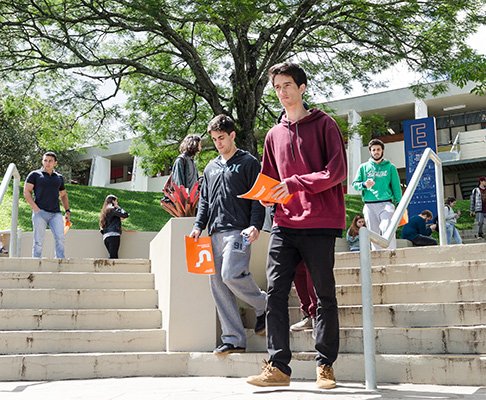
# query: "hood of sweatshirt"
{"type": "Point", "coordinates": [314, 114]}
{"type": "Point", "coordinates": [385, 162]}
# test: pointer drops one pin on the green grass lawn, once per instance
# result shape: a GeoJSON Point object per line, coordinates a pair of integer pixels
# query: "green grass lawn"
{"type": "Point", "coordinates": [145, 211]}
{"type": "Point", "coordinates": [85, 203]}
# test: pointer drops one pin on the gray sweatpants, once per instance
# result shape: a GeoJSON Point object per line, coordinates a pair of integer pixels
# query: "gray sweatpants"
{"type": "Point", "coordinates": [232, 278]}
{"type": "Point", "coordinates": [480, 219]}
{"type": "Point", "coordinates": [377, 217]}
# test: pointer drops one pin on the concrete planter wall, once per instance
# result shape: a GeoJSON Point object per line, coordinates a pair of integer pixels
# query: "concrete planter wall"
{"type": "Point", "coordinates": [188, 310]}
{"type": "Point", "coordinates": [82, 243]}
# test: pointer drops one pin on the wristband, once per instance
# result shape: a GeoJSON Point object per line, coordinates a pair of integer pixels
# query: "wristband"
{"type": "Point", "coordinates": [68, 210]}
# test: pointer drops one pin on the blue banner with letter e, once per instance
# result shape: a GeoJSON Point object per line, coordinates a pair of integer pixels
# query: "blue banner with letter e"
{"type": "Point", "coordinates": [418, 135]}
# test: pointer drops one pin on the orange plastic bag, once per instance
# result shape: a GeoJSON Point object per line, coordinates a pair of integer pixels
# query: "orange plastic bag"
{"type": "Point", "coordinates": [199, 256]}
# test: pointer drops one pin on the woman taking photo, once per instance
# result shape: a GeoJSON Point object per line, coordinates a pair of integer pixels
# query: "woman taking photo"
{"type": "Point", "coordinates": [110, 224]}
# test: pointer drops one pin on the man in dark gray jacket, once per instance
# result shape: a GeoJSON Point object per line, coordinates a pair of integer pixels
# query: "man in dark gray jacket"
{"type": "Point", "coordinates": [233, 224]}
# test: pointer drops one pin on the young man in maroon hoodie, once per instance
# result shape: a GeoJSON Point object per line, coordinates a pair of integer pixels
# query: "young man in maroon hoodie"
{"type": "Point", "coordinates": [305, 153]}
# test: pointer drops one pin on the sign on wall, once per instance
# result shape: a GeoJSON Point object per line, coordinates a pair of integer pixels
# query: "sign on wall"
{"type": "Point", "coordinates": [418, 135]}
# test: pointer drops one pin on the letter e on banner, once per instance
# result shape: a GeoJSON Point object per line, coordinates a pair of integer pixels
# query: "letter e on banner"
{"type": "Point", "coordinates": [419, 135]}
{"type": "Point", "coordinates": [199, 256]}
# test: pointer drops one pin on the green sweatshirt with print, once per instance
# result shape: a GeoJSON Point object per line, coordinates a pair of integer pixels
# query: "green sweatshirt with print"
{"type": "Point", "coordinates": [387, 181]}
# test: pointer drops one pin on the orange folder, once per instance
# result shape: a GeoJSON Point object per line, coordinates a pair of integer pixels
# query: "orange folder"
{"type": "Point", "coordinates": [199, 256]}
{"type": "Point", "coordinates": [261, 190]}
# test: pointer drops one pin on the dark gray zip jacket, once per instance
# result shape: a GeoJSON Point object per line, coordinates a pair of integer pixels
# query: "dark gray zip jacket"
{"type": "Point", "coordinates": [219, 207]}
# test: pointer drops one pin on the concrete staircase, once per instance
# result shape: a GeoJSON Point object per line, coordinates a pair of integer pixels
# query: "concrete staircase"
{"type": "Point", "coordinates": [429, 316]}
{"type": "Point", "coordinates": [63, 319]}
{"type": "Point", "coordinates": [88, 318]}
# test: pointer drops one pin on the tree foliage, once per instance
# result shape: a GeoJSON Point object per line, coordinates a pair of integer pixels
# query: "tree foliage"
{"type": "Point", "coordinates": [181, 62]}
{"type": "Point", "coordinates": [29, 127]}
{"type": "Point", "coordinates": [372, 125]}
{"type": "Point", "coordinates": [17, 145]}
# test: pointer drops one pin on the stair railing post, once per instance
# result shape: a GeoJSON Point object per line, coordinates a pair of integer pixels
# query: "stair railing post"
{"type": "Point", "coordinates": [14, 251]}
{"type": "Point", "coordinates": [12, 172]}
{"type": "Point", "coordinates": [367, 310]}
{"type": "Point", "coordinates": [439, 188]}
{"type": "Point", "coordinates": [365, 237]}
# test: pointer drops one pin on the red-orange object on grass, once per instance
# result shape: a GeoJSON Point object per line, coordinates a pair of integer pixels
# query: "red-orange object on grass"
{"type": "Point", "coordinates": [404, 219]}
{"type": "Point", "coordinates": [262, 190]}
{"type": "Point", "coordinates": [199, 256]}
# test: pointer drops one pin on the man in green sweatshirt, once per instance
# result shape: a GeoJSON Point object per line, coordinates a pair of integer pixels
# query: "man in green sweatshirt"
{"type": "Point", "coordinates": [379, 183]}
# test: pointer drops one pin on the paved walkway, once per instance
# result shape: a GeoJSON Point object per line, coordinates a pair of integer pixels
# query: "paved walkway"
{"type": "Point", "coordinates": [199, 388]}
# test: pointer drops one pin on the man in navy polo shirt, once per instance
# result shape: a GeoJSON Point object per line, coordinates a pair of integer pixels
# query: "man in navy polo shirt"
{"type": "Point", "coordinates": [47, 185]}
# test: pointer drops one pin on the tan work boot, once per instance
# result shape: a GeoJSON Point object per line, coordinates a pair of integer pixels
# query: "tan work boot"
{"type": "Point", "coordinates": [325, 377]}
{"type": "Point", "coordinates": [271, 376]}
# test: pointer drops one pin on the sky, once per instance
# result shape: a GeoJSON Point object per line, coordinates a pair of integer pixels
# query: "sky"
{"type": "Point", "coordinates": [400, 77]}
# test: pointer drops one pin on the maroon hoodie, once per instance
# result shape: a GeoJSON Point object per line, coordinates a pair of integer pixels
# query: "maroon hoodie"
{"type": "Point", "coordinates": [309, 155]}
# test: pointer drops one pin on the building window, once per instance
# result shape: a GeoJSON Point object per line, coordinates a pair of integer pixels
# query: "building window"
{"type": "Point", "coordinates": [449, 126]}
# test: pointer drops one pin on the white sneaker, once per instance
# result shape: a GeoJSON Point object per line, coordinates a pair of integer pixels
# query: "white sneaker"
{"type": "Point", "coordinates": [3, 250]}
{"type": "Point", "coordinates": [306, 323]}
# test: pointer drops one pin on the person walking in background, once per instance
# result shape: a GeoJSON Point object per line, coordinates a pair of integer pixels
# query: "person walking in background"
{"type": "Point", "coordinates": [478, 204]}
{"type": "Point", "coordinates": [305, 153]}
{"type": "Point", "coordinates": [417, 232]}
{"type": "Point", "coordinates": [450, 220]}
{"type": "Point", "coordinates": [379, 183]}
{"type": "Point", "coordinates": [3, 250]}
{"type": "Point", "coordinates": [110, 224]}
{"type": "Point", "coordinates": [233, 224]}
{"type": "Point", "coordinates": [184, 170]}
{"type": "Point", "coordinates": [48, 186]}
{"type": "Point", "coordinates": [352, 235]}
{"type": "Point", "coordinates": [307, 297]}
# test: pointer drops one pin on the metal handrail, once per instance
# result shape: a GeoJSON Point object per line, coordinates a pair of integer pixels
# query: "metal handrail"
{"type": "Point", "coordinates": [456, 143]}
{"type": "Point", "coordinates": [14, 235]}
{"type": "Point", "coordinates": [365, 238]}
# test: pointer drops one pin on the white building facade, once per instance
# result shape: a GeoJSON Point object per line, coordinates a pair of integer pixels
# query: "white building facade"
{"type": "Point", "coordinates": [461, 138]}
{"type": "Point", "coordinates": [461, 132]}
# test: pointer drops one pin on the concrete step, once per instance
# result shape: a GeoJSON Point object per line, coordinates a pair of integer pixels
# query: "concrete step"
{"type": "Point", "coordinates": [458, 369]}
{"type": "Point", "coordinates": [473, 240]}
{"type": "Point", "coordinates": [398, 315]}
{"type": "Point", "coordinates": [449, 270]}
{"type": "Point", "coordinates": [39, 319]}
{"type": "Point", "coordinates": [74, 265]}
{"type": "Point", "coordinates": [413, 255]}
{"type": "Point", "coordinates": [419, 292]}
{"type": "Point", "coordinates": [437, 340]}
{"type": "Point", "coordinates": [76, 280]}
{"type": "Point", "coordinates": [392, 315]}
{"type": "Point", "coordinates": [78, 298]}
{"type": "Point", "coordinates": [417, 315]}
{"type": "Point", "coordinates": [81, 341]}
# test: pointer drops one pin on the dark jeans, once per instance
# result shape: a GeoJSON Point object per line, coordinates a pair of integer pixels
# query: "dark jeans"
{"type": "Point", "coordinates": [286, 251]}
{"type": "Point", "coordinates": [422, 240]}
{"type": "Point", "coordinates": [112, 244]}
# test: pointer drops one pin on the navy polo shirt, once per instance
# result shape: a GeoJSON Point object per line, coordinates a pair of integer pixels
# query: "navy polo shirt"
{"type": "Point", "coordinates": [46, 189]}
